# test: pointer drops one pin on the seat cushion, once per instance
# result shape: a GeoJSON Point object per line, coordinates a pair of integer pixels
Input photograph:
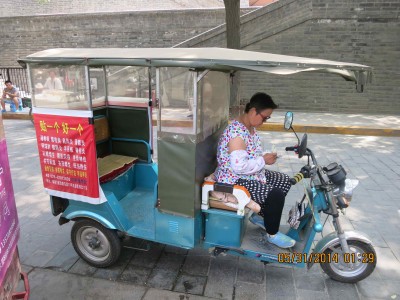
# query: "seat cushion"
{"type": "Point", "coordinates": [113, 165]}
{"type": "Point", "coordinates": [223, 200]}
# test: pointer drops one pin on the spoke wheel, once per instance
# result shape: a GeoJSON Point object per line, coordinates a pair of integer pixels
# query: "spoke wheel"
{"type": "Point", "coordinates": [350, 267]}
{"type": "Point", "coordinates": [97, 245]}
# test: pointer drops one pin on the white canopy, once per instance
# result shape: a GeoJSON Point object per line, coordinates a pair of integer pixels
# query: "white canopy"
{"type": "Point", "coordinates": [201, 58]}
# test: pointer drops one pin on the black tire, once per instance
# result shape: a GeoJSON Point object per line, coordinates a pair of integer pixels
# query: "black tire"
{"type": "Point", "coordinates": [99, 246]}
{"type": "Point", "coordinates": [364, 259]}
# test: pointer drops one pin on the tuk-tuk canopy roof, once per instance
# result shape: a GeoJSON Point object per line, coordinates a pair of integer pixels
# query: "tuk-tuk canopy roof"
{"type": "Point", "coordinates": [200, 58]}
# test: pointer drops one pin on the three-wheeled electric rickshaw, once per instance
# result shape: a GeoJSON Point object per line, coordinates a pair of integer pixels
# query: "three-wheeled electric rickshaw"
{"type": "Point", "coordinates": [102, 115]}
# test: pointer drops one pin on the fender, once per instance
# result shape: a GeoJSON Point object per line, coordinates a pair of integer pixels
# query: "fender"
{"type": "Point", "coordinates": [90, 215]}
{"type": "Point", "coordinates": [332, 239]}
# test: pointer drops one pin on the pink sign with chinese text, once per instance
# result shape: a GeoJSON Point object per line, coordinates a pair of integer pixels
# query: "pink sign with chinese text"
{"type": "Point", "coordinates": [9, 226]}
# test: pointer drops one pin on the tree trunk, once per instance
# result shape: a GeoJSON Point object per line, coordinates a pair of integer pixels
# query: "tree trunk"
{"type": "Point", "coordinates": [232, 19]}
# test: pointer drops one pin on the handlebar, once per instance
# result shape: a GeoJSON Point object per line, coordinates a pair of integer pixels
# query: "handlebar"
{"type": "Point", "coordinates": [311, 155]}
{"type": "Point", "coordinates": [308, 153]}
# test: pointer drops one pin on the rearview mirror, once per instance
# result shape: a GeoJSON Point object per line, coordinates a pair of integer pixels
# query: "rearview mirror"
{"type": "Point", "coordinates": [288, 120]}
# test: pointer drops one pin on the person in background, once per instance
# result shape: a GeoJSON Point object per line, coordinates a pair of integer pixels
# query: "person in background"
{"type": "Point", "coordinates": [10, 95]}
{"type": "Point", "coordinates": [241, 161]}
{"type": "Point", "coordinates": [53, 82]}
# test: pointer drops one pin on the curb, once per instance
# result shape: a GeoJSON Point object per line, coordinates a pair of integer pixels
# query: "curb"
{"type": "Point", "coordinates": [15, 116]}
{"type": "Point", "coordinates": [326, 129]}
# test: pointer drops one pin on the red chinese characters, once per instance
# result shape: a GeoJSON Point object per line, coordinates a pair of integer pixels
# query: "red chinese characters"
{"type": "Point", "coordinates": [67, 151]}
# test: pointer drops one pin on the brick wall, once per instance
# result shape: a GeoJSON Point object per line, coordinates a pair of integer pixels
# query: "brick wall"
{"type": "Point", "coordinates": [360, 31]}
{"type": "Point", "coordinates": [17, 8]}
{"type": "Point", "coordinates": [365, 32]}
{"type": "Point", "coordinates": [37, 7]}
{"type": "Point", "coordinates": [24, 35]}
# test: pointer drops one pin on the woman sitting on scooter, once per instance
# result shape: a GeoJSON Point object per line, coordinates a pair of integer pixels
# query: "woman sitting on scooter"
{"type": "Point", "coordinates": [241, 161]}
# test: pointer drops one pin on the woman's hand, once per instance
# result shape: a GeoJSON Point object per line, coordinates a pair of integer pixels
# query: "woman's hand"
{"type": "Point", "coordinates": [270, 158]}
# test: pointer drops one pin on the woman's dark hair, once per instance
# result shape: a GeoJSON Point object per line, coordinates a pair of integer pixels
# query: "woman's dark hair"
{"type": "Point", "coordinates": [260, 101]}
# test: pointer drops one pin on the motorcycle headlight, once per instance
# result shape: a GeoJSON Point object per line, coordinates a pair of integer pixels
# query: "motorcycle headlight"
{"type": "Point", "coordinates": [349, 186]}
{"type": "Point", "coordinates": [344, 193]}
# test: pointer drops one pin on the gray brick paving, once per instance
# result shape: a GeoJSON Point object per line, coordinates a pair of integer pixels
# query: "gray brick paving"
{"type": "Point", "coordinates": [114, 272]}
{"type": "Point", "coordinates": [191, 284]}
{"type": "Point", "coordinates": [82, 268]}
{"type": "Point", "coordinates": [135, 274]}
{"type": "Point", "coordinates": [311, 295]}
{"type": "Point", "coordinates": [221, 277]}
{"type": "Point", "coordinates": [341, 291]}
{"type": "Point", "coordinates": [166, 272]}
{"type": "Point", "coordinates": [39, 258]}
{"type": "Point", "coordinates": [197, 262]}
{"type": "Point", "coordinates": [153, 294]}
{"type": "Point", "coordinates": [279, 283]}
{"type": "Point", "coordinates": [64, 259]}
{"type": "Point", "coordinates": [250, 272]}
{"type": "Point", "coordinates": [147, 258]}
{"type": "Point", "coordinates": [48, 284]}
{"type": "Point", "coordinates": [249, 291]}
{"type": "Point", "coordinates": [162, 279]}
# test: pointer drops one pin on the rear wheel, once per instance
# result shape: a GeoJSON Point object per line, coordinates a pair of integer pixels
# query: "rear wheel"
{"type": "Point", "coordinates": [97, 245]}
{"type": "Point", "coordinates": [350, 267]}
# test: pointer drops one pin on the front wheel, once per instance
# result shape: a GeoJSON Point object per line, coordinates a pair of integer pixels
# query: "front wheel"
{"type": "Point", "coordinates": [96, 244]}
{"type": "Point", "coordinates": [350, 267]}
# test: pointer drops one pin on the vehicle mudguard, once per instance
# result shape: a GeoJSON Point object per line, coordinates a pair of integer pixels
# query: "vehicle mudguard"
{"type": "Point", "coordinates": [333, 239]}
{"type": "Point", "coordinates": [89, 215]}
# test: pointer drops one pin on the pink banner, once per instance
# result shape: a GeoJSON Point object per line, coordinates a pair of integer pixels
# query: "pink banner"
{"type": "Point", "coordinates": [9, 226]}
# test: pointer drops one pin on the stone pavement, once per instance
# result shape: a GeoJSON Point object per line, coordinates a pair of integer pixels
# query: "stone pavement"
{"type": "Point", "coordinates": [165, 272]}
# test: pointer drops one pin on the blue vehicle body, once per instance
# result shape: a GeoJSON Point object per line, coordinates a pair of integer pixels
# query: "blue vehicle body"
{"type": "Point", "coordinates": [131, 208]}
{"type": "Point", "coordinates": [113, 92]}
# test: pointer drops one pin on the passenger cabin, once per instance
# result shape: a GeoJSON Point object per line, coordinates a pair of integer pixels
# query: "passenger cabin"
{"type": "Point", "coordinates": [153, 119]}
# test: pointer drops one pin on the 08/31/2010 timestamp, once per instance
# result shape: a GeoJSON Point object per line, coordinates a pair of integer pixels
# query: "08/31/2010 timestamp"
{"type": "Point", "coordinates": [324, 257]}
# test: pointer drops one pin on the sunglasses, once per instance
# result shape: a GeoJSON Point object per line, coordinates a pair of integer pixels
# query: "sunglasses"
{"type": "Point", "coordinates": [264, 118]}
